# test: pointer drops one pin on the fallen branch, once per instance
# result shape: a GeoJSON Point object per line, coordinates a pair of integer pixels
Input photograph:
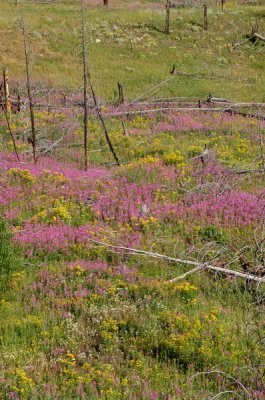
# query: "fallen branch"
{"type": "Point", "coordinates": [243, 114]}
{"type": "Point", "coordinates": [240, 384]}
{"type": "Point", "coordinates": [258, 36]}
{"type": "Point", "coordinates": [181, 261]}
{"type": "Point", "coordinates": [48, 149]}
{"type": "Point", "coordinates": [247, 171]}
{"type": "Point", "coordinates": [120, 113]}
{"type": "Point", "coordinates": [242, 42]}
{"type": "Point", "coordinates": [178, 278]}
{"type": "Point", "coordinates": [224, 392]}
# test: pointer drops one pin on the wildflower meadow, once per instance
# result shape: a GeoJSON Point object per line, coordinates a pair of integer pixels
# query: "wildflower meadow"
{"type": "Point", "coordinates": [132, 265]}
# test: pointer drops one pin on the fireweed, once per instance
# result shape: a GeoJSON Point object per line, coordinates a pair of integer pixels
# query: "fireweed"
{"type": "Point", "coordinates": [80, 321]}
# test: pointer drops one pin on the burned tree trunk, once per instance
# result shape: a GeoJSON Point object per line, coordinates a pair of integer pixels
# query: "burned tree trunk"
{"type": "Point", "coordinates": [85, 84]}
{"type": "Point", "coordinates": [6, 106]}
{"type": "Point", "coordinates": [205, 14]}
{"type": "Point", "coordinates": [121, 95]}
{"type": "Point", "coordinates": [7, 100]}
{"type": "Point", "coordinates": [88, 81]}
{"type": "Point", "coordinates": [31, 108]}
{"type": "Point", "coordinates": [7, 116]}
{"type": "Point", "coordinates": [167, 19]}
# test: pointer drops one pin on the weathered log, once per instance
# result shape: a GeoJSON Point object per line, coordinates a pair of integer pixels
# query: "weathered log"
{"type": "Point", "coordinates": [199, 266]}
{"type": "Point", "coordinates": [258, 36]}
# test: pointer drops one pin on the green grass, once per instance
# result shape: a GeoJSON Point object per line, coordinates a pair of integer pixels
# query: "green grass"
{"type": "Point", "coordinates": [54, 40]}
{"type": "Point", "coordinates": [10, 262]}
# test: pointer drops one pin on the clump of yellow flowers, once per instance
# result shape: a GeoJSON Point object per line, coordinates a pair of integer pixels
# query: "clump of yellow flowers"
{"type": "Point", "coordinates": [24, 176]}
{"type": "Point", "coordinates": [175, 158]}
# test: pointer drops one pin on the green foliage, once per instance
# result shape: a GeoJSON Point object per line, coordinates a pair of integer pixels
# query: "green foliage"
{"type": "Point", "coordinates": [10, 261]}
{"type": "Point", "coordinates": [211, 233]}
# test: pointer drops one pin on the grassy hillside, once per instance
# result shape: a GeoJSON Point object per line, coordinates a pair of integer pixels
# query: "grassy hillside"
{"type": "Point", "coordinates": [126, 44]}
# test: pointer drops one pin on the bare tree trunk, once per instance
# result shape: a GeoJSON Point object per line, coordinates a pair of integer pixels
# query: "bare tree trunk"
{"type": "Point", "coordinates": [106, 2]}
{"type": "Point", "coordinates": [63, 99]}
{"type": "Point", "coordinates": [85, 83]}
{"type": "Point", "coordinates": [31, 108]}
{"type": "Point", "coordinates": [167, 19]}
{"type": "Point", "coordinates": [18, 101]}
{"type": "Point", "coordinates": [6, 91]}
{"type": "Point", "coordinates": [124, 128]}
{"type": "Point", "coordinates": [7, 116]}
{"type": "Point", "coordinates": [121, 95]}
{"type": "Point", "coordinates": [205, 14]}
{"type": "Point", "coordinates": [11, 133]}
{"type": "Point", "coordinates": [87, 79]}
{"type": "Point", "coordinates": [102, 122]}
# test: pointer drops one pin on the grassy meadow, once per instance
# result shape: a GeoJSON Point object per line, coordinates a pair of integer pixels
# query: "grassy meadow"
{"type": "Point", "coordinates": [82, 314]}
{"type": "Point", "coordinates": [126, 44]}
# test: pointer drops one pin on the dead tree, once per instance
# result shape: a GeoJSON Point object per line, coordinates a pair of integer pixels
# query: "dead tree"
{"type": "Point", "coordinates": [85, 83]}
{"type": "Point", "coordinates": [89, 83]}
{"type": "Point", "coordinates": [6, 106]}
{"type": "Point", "coordinates": [6, 91]}
{"type": "Point", "coordinates": [102, 121]}
{"type": "Point", "coordinates": [124, 130]}
{"type": "Point", "coordinates": [255, 28]}
{"type": "Point", "coordinates": [63, 99]}
{"type": "Point", "coordinates": [7, 118]}
{"type": "Point", "coordinates": [121, 95]}
{"type": "Point", "coordinates": [18, 101]}
{"type": "Point", "coordinates": [167, 19]}
{"type": "Point", "coordinates": [31, 107]}
{"type": "Point", "coordinates": [205, 14]}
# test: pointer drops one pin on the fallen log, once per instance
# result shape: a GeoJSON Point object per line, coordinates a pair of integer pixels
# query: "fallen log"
{"type": "Point", "coordinates": [242, 42]}
{"type": "Point", "coordinates": [258, 36]}
{"type": "Point", "coordinates": [198, 265]}
{"type": "Point", "coordinates": [247, 171]}
{"type": "Point", "coordinates": [243, 114]}
{"type": "Point", "coordinates": [252, 38]}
